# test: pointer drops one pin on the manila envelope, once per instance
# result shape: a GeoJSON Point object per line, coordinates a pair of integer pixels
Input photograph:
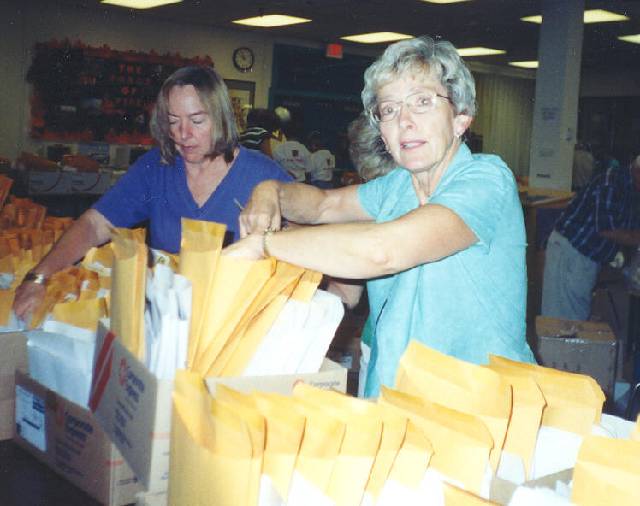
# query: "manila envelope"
{"type": "Point", "coordinates": [607, 472]}
{"type": "Point", "coordinates": [128, 288]}
{"type": "Point", "coordinates": [319, 451]}
{"type": "Point", "coordinates": [211, 449]}
{"type": "Point", "coordinates": [456, 384]}
{"type": "Point", "coordinates": [526, 416]}
{"type": "Point", "coordinates": [363, 431]}
{"type": "Point", "coordinates": [574, 401]}
{"type": "Point", "coordinates": [257, 320]}
{"type": "Point", "coordinates": [199, 252]}
{"type": "Point", "coordinates": [394, 428]}
{"type": "Point", "coordinates": [236, 284]}
{"type": "Point", "coordinates": [285, 429]}
{"type": "Point", "coordinates": [461, 442]}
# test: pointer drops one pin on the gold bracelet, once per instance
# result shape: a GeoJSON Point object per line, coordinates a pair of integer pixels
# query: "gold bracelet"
{"type": "Point", "coordinates": [265, 247]}
{"type": "Point", "coordinates": [35, 277]}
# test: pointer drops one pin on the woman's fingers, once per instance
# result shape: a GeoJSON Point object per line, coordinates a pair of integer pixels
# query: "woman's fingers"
{"type": "Point", "coordinates": [257, 218]}
{"type": "Point", "coordinates": [28, 297]}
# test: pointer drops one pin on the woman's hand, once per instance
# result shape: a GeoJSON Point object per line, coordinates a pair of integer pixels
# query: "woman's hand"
{"type": "Point", "coordinates": [263, 211]}
{"type": "Point", "coordinates": [251, 248]}
{"type": "Point", "coordinates": [28, 297]}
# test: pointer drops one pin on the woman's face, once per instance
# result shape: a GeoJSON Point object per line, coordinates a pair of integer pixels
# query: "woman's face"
{"type": "Point", "coordinates": [190, 124]}
{"type": "Point", "coordinates": [420, 142]}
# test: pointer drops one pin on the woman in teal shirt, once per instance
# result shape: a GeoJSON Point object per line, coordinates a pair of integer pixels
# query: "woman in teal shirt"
{"type": "Point", "coordinates": [440, 238]}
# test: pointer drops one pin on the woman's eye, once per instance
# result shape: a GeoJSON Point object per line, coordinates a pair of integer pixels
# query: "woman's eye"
{"type": "Point", "coordinates": [386, 109]}
{"type": "Point", "coordinates": [424, 100]}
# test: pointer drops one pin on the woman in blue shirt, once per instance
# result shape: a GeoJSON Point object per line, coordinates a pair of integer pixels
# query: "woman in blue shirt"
{"type": "Point", "coordinates": [198, 171]}
{"type": "Point", "coordinates": [440, 238]}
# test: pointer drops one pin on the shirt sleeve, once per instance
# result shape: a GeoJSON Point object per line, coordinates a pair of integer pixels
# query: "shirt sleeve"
{"type": "Point", "coordinates": [126, 203]}
{"type": "Point", "coordinates": [380, 197]}
{"type": "Point", "coordinates": [478, 195]}
{"type": "Point", "coordinates": [609, 202]}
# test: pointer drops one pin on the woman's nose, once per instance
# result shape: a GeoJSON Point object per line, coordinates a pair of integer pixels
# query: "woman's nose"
{"type": "Point", "coordinates": [185, 130]}
{"type": "Point", "coordinates": [405, 116]}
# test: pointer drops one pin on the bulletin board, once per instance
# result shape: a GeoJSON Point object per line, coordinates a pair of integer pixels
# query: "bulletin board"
{"type": "Point", "coordinates": [83, 94]}
{"type": "Point", "coordinates": [242, 96]}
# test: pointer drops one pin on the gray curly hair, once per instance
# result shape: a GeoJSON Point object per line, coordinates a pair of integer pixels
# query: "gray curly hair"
{"type": "Point", "coordinates": [423, 53]}
{"type": "Point", "coordinates": [366, 149]}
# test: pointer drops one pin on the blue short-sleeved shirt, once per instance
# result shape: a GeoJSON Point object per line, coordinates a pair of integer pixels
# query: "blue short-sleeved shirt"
{"type": "Point", "coordinates": [158, 192]}
{"type": "Point", "coordinates": [469, 304]}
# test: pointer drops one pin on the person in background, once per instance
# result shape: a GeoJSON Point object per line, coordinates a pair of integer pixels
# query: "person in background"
{"type": "Point", "coordinates": [292, 154]}
{"type": "Point", "coordinates": [440, 238]}
{"type": "Point", "coordinates": [322, 163]}
{"type": "Point", "coordinates": [198, 171]}
{"type": "Point", "coordinates": [583, 165]}
{"type": "Point", "coordinates": [370, 158]}
{"type": "Point", "coordinates": [261, 123]}
{"type": "Point", "coordinates": [283, 118]}
{"type": "Point", "coordinates": [600, 219]}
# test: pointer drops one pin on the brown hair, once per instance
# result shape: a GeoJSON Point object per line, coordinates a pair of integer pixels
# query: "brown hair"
{"type": "Point", "coordinates": [215, 99]}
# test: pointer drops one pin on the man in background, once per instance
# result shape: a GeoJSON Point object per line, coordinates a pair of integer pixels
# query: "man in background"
{"type": "Point", "coordinates": [601, 218]}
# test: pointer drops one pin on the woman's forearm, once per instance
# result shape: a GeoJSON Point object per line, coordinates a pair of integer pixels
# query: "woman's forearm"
{"type": "Point", "coordinates": [91, 229]}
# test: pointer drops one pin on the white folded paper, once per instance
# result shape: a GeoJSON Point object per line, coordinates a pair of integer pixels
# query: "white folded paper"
{"type": "Point", "coordinates": [167, 318]}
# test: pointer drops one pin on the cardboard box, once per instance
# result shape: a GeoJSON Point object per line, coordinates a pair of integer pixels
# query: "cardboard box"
{"type": "Point", "coordinates": [68, 439]}
{"type": "Point", "coordinates": [578, 346]}
{"type": "Point", "coordinates": [134, 407]}
{"type": "Point", "coordinates": [13, 355]}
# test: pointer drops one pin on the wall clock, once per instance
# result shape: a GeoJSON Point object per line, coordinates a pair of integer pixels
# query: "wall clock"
{"type": "Point", "coordinates": [243, 59]}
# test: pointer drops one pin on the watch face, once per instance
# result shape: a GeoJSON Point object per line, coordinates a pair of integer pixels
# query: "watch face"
{"type": "Point", "coordinates": [243, 59]}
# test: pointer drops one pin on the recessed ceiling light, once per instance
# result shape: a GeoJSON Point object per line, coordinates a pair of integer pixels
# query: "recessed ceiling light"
{"type": "Point", "coordinates": [140, 4]}
{"type": "Point", "coordinates": [376, 37]}
{"type": "Point", "coordinates": [479, 51]}
{"type": "Point", "coordinates": [271, 20]}
{"type": "Point", "coordinates": [444, 1]}
{"type": "Point", "coordinates": [634, 39]}
{"type": "Point", "coordinates": [590, 16]}
{"type": "Point", "coordinates": [531, 64]}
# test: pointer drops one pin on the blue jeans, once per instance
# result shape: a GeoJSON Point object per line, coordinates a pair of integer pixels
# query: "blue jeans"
{"type": "Point", "coordinates": [569, 278]}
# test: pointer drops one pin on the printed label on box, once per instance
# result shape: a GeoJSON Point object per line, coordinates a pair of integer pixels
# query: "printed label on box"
{"type": "Point", "coordinates": [30, 418]}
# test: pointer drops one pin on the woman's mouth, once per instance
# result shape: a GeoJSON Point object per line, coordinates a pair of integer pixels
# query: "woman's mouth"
{"type": "Point", "coordinates": [411, 144]}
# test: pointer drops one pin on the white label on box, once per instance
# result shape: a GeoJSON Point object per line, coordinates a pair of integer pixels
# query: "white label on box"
{"type": "Point", "coordinates": [30, 418]}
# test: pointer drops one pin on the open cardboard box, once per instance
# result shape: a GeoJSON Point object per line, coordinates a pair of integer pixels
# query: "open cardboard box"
{"type": "Point", "coordinates": [134, 407]}
{"type": "Point", "coordinates": [583, 347]}
{"type": "Point", "coordinates": [67, 438]}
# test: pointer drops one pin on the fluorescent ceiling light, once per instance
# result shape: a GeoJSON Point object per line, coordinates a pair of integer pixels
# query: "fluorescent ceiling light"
{"type": "Point", "coordinates": [634, 39]}
{"type": "Point", "coordinates": [444, 1]}
{"type": "Point", "coordinates": [590, 16]}
{"type": "Point", "coordinates": [271, 20]}
{"type": "Point", "coordinates": [375, 37]}
{"type": "Point", "coordinates": [140, 4]}
{"type": "Point", "coordinates": [479, 51]}
{"type": "Point", "coordinates": [531, 64]}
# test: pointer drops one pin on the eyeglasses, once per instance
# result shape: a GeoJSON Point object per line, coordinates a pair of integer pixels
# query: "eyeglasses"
{"type": "Point", "coordinates": [418, 103]}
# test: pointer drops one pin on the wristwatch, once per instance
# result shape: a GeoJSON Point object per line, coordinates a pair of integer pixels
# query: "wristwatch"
{"type": "Point", "coordinates": [35, 277]}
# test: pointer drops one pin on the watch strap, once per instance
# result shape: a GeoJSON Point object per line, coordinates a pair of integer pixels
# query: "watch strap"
{"type": "Point", "coordinates": [35, 277]}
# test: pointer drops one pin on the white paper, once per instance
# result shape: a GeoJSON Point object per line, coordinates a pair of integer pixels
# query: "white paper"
{"type": "Point", "coordinates": [299, 338]}
{"type": "Point", "coordinates": [304, 493]}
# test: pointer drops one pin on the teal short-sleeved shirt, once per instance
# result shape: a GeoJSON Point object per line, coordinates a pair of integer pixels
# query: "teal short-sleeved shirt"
{"type": "Point", "coordinates": [469, 304]}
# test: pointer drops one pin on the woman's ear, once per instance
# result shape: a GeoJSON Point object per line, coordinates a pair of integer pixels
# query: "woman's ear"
{"type": "Point", "coordinates": [461, 123]}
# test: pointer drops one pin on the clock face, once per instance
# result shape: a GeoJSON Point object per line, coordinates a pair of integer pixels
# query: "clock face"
{"type": "Point", "coordinates": [243, 59]}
